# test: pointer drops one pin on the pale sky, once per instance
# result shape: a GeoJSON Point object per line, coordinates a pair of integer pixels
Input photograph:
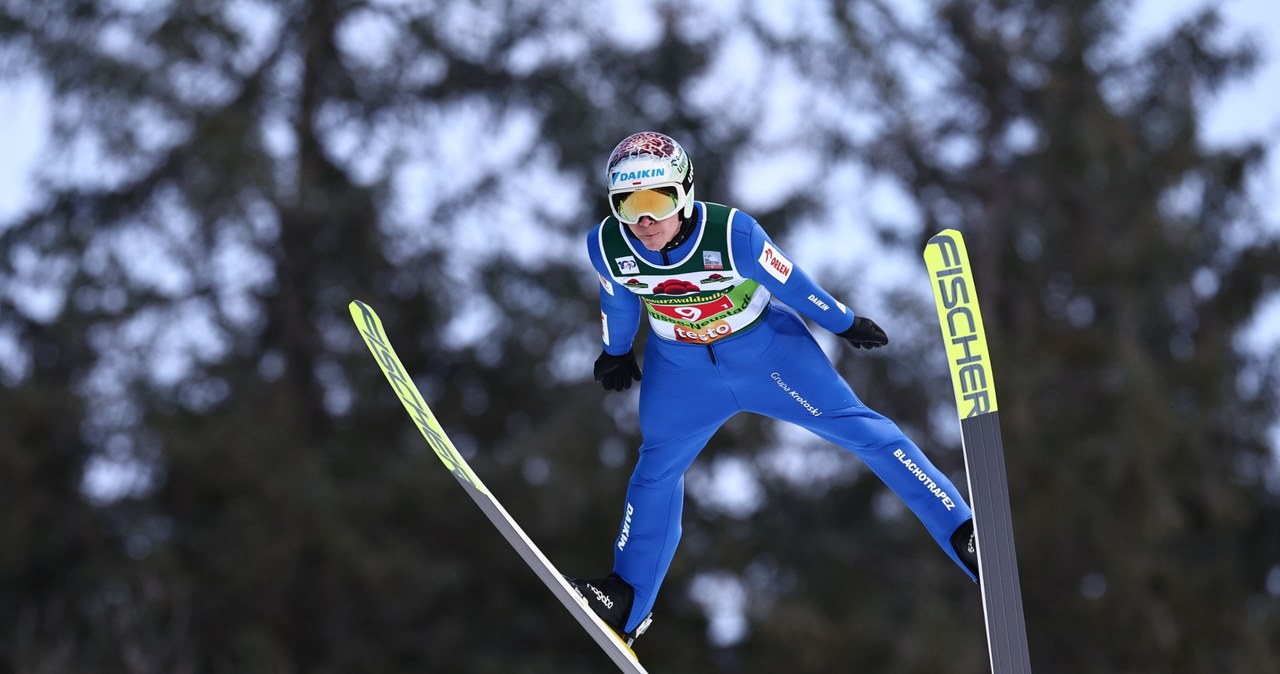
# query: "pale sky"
{"type": "Point", "coordinates": [1251, 109]}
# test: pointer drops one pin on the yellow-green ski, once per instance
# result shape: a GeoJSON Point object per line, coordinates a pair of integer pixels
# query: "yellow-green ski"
{"type": "Point", "coordinates": [376, 338]}
{"type": "Point", "coordinates": [975, 390]}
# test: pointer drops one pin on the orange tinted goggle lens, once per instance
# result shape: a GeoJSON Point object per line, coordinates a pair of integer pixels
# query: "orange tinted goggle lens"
{"type": "Point", "coordinates": [656, 203]}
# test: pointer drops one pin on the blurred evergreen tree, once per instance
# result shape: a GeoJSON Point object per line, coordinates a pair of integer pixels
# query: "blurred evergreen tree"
{"type": "Point", "coordinates": [1118, 258]}
{"type": "Point", "coordinates": [203, 471]}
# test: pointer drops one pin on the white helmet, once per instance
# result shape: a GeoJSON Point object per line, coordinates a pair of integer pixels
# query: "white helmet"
{"type": "Point", "coordinates": [649, 174]}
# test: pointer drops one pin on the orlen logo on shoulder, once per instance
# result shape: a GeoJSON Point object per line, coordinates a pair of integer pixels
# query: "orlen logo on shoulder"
{"type": "Point", "coordinates": [775, 263]}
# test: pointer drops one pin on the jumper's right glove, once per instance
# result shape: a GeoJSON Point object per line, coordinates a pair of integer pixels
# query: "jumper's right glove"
{"type": "Point", "coordinates": [865, 334]}
{"type": "Point", "coordinates": [617, 372]}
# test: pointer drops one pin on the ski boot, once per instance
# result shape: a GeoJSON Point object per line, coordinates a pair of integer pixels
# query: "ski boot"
{"type": "Point", "coordinates": [964, 540]}
{"type": "Point", "coordinates": [611, 598]}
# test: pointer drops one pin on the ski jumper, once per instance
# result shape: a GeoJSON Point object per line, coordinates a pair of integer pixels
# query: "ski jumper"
{"type": "Point", "coordinates": [726, 338]}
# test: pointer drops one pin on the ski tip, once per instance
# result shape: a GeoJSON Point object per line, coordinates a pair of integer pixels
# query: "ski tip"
{"type": "Point", "coordinates": [364, 316]}
{"type": "Point", "coordinates": [946, 234]}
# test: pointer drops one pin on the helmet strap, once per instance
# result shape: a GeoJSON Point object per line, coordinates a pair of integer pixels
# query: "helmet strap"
{"type": "Point", "coordinates": [682, 234]}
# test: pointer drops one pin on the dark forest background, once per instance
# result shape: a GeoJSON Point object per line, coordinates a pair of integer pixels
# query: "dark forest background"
{"type": "Point", "coordinates": [202, 470]}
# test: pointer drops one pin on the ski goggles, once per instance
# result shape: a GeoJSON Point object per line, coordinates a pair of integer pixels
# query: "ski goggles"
{"type": "Point", "coordinates": [655, 202]}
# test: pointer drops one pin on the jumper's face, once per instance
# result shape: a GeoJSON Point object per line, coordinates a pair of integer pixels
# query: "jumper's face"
{"type": "Point", "coordinates": [654, 234]}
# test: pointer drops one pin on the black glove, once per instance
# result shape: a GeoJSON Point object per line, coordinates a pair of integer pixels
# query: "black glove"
{"type": "Point", "coordinates": [865, 334]}
{"type": "Point", "coordinates": [617, 372]}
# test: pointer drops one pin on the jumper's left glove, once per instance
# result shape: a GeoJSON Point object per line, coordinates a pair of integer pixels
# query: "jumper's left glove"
{"type": "Point", "coordinates": [617, 372]}
{"type": "Point", "coordinates": [865, 334]}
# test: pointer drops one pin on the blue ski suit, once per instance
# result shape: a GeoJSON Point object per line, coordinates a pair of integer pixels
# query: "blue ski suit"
{"type": "Point", "coordinates": [725, 338]}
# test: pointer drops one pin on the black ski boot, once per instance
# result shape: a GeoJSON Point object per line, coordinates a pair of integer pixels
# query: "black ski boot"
{"type": "Point", "coordinates": [964, 540]}
{"type": "Point", "coordinates": [611, 598]}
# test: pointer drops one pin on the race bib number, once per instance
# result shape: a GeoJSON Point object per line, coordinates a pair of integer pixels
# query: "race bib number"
{"type": "Point", "coordinates": [694, 312]}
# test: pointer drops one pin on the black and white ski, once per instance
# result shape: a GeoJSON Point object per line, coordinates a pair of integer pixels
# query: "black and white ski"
{"type": "Point", "coordinates": [975, 390]}
{"type": "Point", "coordinates": [376, 338]}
